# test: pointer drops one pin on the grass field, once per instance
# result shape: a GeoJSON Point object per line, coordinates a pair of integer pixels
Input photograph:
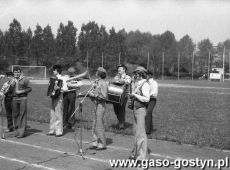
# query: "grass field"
{"type": "Point", "coordinates": [194, 112]}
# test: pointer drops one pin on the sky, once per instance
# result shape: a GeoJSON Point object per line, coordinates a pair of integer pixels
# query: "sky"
{"type": "Point", "coordinates": [200, 19]}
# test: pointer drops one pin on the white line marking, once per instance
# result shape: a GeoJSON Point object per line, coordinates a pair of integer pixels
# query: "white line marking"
{"type": "Point", "coordinates": [202, 92]}
{"type": "Point", "coordinates": [27, 163]}
{"type": "Point", "coordinates": [51, 150]}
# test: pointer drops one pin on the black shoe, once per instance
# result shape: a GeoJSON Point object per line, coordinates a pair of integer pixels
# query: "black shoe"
{"type": "Point", "coordinates": [132, 157]}
{"type": "Point", "coordinates": [93, 147]}
{"type": "Point", "coordinates": [121, 126]}
{"type": "Point", "coordinates": [50, 134]}
{"type": "Point", "coordinates": [58, 135]}
{"type": "Point", "coordinates": [100, 149]}
{"type": "Point", "coordinates": [20, 136]}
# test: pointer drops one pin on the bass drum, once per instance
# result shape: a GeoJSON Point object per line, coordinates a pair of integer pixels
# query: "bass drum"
{"type": "Point", "coordinates": [116, 93]}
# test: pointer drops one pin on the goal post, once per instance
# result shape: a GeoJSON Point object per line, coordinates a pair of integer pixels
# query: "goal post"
{"type": "Point", "coordinates": [32, 72]}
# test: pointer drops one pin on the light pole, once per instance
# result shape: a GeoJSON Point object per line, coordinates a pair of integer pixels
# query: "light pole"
{"type": "Point", "coordinates": [223, 62]}
{"type": "Point", "coordinates": [163, 54]}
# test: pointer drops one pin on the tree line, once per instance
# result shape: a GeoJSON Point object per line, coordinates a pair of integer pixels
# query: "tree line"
{"type": "Point", "coordinates": [93, 44]}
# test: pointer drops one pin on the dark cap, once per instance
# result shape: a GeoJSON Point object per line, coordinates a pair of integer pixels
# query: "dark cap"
{"type": "Point", "coordinates": [122, 65]}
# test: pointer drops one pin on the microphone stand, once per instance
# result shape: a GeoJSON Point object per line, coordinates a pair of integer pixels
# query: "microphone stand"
{"type": "Point", "coordinates": [80, 148]}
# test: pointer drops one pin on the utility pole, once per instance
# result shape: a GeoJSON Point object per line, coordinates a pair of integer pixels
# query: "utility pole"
{"type": "Point", "coordinates": [102, 59]}
{"type": "Point", "coordinates": [87, 59]}
{"type": "Point", "coordinates": [163, 65]}
{"type": "Point", "coordinates": [192, 63]}
{"type": "Point", "coordinates": [178, 66]}
{"type": "Point", "coordinates": [148, 62]}
{"type": "Point", "coordinates": [119, 58]}
{"type": "Point", "coordinates": [209, 65]}
{"type": "Point", "coordinates": [223, 61]}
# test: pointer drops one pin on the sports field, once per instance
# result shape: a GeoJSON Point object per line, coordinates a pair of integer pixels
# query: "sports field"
{"type": "Point", "coordinates": [186, 112]}
{"type": "Point", "coordinates": [194, 112]}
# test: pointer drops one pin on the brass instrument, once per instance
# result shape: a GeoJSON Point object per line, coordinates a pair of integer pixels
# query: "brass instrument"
{"type": "Point", "coordinates": [5, 89]}
{"type": "Point", "coordinates": [84, 75]}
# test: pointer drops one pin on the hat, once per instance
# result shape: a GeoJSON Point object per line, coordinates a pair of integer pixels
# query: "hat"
{"type": "Point", "coordinates": [101, 69]}
{"type": "Point", "coordinates": [122, 65]}
{"type": "Point", "coordinates": [71, 70]}
{"type": "Point", "coordinates": [140, 69]}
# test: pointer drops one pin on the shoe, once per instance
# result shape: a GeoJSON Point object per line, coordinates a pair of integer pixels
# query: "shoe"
{"type": "Point", "coordinates": [16, 134]}
{"type": "Point", "coordinates": [132, 157]}
{"type": "Point", "coordinates": [9, 130]}
{"type": "Point", "coordinates": [93, 147]}
{"type": "Point", "coordinates": [20, 136]}
{"type": "Point", "coordinates": [58, 135]}
{"type": "Point", "coordinates": [100, 149]}
{"type": "Point", "coordinates": [50, 134]}
{"type": "Point", "coordinates": [122, 126]}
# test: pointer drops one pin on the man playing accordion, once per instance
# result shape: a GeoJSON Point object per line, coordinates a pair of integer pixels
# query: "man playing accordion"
{"type": "Point", "coordinates": [56, 111]}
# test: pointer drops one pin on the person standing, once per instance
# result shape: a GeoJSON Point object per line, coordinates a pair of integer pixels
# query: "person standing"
{"type": "Point", "coordinates": [119, 109]}
{"type": "Point", "coordinates": [152, 103]}
{"type": "Point", "coordinates": [56, 111]}
{"type": "Point", "coordinates": [7, 90]}
{"type": "Point", "coordinates": [141, 97]}
{"type": "Point", "coordinates": [98, 96]}
{"type": "Point", "coordinates": [19, 109]}
{"type": "Point", "coordinates": [69, 97]}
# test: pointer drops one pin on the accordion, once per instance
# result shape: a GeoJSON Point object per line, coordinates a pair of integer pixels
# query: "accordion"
{"type": "Point", "coordinates": [51, 92]}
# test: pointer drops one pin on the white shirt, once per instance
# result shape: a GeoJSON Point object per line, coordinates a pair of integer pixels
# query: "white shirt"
{"type": "Point", "coordinates": [144, 89]}
{"type": "Point", "coordinates": [65, 84]}
{"type": "Point", "coordinates": [153, 87]}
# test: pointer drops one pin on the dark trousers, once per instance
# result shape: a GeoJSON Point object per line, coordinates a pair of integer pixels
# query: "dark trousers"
{"type": "Point", "coordinates": [149, 116]}
{"type": "Point", "coordinates": [8, 108]}
{"type": "Point", "coordinates": [120, 111]}
{"type": "Point", "coordinates": [69, 99]}
{"type": "Point", "coordinates": [20, 115]}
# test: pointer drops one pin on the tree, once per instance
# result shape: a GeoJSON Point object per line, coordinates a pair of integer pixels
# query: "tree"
{"type": "Point", "coordinates": [37, 45]}
{"type": "Point", "coordinates": [13, 39]}
{"type": "Point", "coordinates": [66, 43]}
{"type": "Point", "coordinates": [186, 48]}
{"type": "Point", "coordinates": [49, 46]}
{"type": "Point", "coordinates": [205, 47]}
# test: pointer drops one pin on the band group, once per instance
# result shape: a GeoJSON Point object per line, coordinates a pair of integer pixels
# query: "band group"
{"type": "Point", "coordinates": [139, 91]}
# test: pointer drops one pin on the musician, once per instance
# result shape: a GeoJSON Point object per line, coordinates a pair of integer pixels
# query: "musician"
{"type": "Point", "coordinates": [7, 90]}
{"type": "Point", "coordinates": [98, 95]}
{"type": "Point", "coordinates": [119, 109]}
{"type": "Point", "coordinates": [56, 111]}
{"type": "Point", "coordinates": [69, 97]}
{"type": "Point", "coordinates": [19, 112]}
{"type": "Point", "coordinates": [153, 99]}
{"type": "Point", "coordinates": [141, 98]}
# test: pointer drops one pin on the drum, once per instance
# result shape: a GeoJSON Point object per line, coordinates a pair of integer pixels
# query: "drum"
{"type": "Point", "coordinates": [51, 92]}
{"type": "Point", "coordinates": [116, 93]}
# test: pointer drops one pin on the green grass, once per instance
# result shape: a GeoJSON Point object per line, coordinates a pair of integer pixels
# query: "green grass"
{"type": "Point", "coordinates": [199, 116]}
